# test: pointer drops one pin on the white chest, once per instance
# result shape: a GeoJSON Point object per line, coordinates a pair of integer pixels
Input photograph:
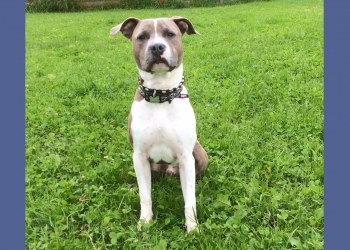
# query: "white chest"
{"type": "Point", "coordinates": [163, 131]}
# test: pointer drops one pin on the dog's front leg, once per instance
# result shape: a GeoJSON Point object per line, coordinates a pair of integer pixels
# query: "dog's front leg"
{"type": "Point", "coordinates": [143, 175]}
{"type": "Point", "coordinates": [188, 183]}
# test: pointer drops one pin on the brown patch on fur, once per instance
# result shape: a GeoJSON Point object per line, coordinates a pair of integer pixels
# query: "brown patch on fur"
{"type": "Point", "coordinates": [201, 159]}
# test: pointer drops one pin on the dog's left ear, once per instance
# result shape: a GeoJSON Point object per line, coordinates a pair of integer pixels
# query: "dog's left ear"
{"type": "Point", "coordinates": [184, 25]}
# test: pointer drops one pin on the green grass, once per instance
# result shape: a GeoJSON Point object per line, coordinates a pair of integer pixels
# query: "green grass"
{"type": "Point", "coordinates": [255, 78]}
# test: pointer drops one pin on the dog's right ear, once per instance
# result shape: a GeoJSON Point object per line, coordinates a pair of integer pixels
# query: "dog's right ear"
{"type": "Point", "coordinates": [127, 27]}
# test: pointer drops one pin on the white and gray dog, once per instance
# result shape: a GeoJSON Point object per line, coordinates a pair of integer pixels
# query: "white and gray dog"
{"type": "Point", "coordinates": [162, 124]}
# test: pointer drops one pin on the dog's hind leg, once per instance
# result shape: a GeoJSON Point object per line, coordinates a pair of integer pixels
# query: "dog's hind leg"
{"type": "Point", "coordinates": [201, 159]}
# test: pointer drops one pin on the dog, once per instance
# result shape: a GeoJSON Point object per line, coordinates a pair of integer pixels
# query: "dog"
{"type": "Point", "coordinates": [162, 124]}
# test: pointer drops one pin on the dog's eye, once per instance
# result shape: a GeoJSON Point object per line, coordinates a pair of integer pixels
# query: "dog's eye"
{"type": "Point", "coordinates": [141, 37]}
{"type": "Point", "coordinates": [170, 34]}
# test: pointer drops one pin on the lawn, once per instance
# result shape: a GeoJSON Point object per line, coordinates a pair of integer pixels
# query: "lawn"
{"type": "Point", "coordinates": [255, 79]}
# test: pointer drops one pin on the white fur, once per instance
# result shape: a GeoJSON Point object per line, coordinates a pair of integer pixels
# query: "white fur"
{"type": "Point", "coordinates": [163, 131]}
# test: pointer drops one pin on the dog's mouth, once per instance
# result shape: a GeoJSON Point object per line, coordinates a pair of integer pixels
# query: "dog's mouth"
{"type": "Point", "coordinates": [159, 61]}
{"type": "Point", "coordinates": [158, 64]}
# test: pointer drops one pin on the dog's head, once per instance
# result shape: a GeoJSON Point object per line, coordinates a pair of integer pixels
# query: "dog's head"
{"type": "Point", "coordinates": [157, 42]}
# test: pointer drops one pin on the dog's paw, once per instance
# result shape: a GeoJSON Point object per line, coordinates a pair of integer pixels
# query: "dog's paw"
{"type": "Point", "coordinates": [172, 170]}
{"type": "Point", "coordinates": [146, 223]}
{"type": "Point", "coordinates": [191, 226]}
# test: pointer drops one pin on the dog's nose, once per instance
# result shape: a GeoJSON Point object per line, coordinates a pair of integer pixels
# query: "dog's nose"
{"type": "Point", "coordinates": [157, 49]}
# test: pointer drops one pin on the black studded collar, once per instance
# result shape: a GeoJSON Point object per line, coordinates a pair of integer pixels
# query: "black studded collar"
{"type": "Point", "coordinates": [159, 95]}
